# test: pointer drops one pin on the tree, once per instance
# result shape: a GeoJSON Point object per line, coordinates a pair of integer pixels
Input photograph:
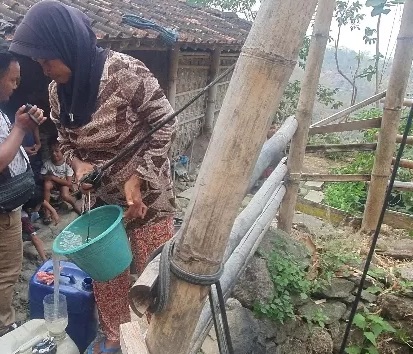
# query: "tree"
{"type": "Point", "coordinates": [244, 7]}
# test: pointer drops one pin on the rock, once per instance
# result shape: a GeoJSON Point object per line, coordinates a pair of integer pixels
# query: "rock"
{"type": "Point", "coordinates": [368, 296]}
{"type": "Point", "coordinates": [406, 272]}
{"type": "Point", "coordinates": [314, 185]}
{"type": "Point", "coordinates": [286, 245]}
{"type": "Point", "coordinates": [360, 308]}
{"type": "Point", "coordinates": [271, 348]}
{"type": "Point", "coordinates": [302, 331]}
{"type": "Point", "coordinates": [399, 249]}
{"type": "Point", "coordinates": [255, 284]}
{"type": "Point", "coordinates": [328, 312]}
{"type": "Point", "coordinates": [244, 329]}
{"type": "Point", "coordinates": [320, 341]}
{"type": "Point", "coordinates": [405, 327]}
{"type": "Point", "coordinates": [396, 307]}
{"type": "Point", "coordinates": [349, 300]}
{"type": "Point", "coordinates": [367, 283]}
{"type": "Point", "coordinates": [291, 346]}
{"type": "Point", "coordinates": [314, 196]}
{"type": "Point", "coordinates": [182, 203]}
{"type": "Point", "coordinates": [338, 289]}
{"type": "Point", "coordinates": [276, 331]}
{"type": "Point", "coordinates": [337, 334]}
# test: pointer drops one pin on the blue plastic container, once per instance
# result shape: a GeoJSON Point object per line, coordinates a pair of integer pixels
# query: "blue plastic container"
{"type": "Point", "coordinates": [107, 253]}
{"type": "Point", "coordinates": [76, 285]}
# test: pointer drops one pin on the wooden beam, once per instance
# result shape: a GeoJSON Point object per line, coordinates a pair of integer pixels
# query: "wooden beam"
{"type": "Point", "coordinates": [347, 126]}
{"type": "Point", "coordinates": [334, 178]}
{"type": "Point", "coordinates": [403, 186]}
{"type": "Point", "coordinates": [409, 140]}
{"type": "Point", "coordinates": [404, 163]}
{"type": "Point", "coordinates": [254, 93]}
{"type": "Point", "coordinates": [173, 75]}
{"type": "Point", "coordinates": [345, 112]}
{"type": "Point", "coordinates": [131, 339]}
{"type": "Point", "coordinates": [212, 92]}
{"type": "Point", "coordinates": [341, 147]}
{"type": "Point", "coordinates": [408, 102]}
{"type": "Point", "coordinates": [398, 81]}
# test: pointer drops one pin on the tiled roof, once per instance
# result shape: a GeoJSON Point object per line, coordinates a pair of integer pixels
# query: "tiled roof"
{"type": "Point", "coordinates": [194, 24]}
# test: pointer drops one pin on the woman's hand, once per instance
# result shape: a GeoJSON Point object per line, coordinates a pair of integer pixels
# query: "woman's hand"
{"type": "Point", "coordinates": [136, 207]}
{"type": "Point", "coordinates": [81, 169]}
{"type": "Point", "coordinates": [30, 150]}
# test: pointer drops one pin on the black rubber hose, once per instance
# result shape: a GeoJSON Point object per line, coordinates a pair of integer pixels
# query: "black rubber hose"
{"type": "Point", "coordinates": [377, 232]}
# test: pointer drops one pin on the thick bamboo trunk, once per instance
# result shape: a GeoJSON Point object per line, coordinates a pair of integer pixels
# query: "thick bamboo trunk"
{"type": "Point", "coordinates": [212, 92]}
{"type": "Point", "coordinates": [273, 149]}
{"type": "Point", "coordinates": [237, 262]}
{"type": "Point", "coordinates": [305, 107]}
{"type": "Point", "coordinates": [399, 77]}
{"type": "Point", "coordinates": [173, 75]}
{"type": "Point", "coordinates": [261, 74]}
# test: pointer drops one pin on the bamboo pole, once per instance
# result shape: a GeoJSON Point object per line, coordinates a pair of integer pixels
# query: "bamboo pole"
{"type": "Point", "coordinates": [341, 147]}
{"type": "Point", "coordinates": [273, 149]}
{"type": "Point", "coordinates": [173, 75]}
{"type": "Point", "coordinates": [345, 112]}
{"type": "Point", "coordinates": [399, 77]}
{"type": "Point", "coordinates": [407, 102]}
{"type": "Point", "coordinates": [321, 177]}
{"type": "Point", "coordinates": [237, 263]}
{"type": "Point", "coordinates": [260, 77]}
{"type": "Point", "coordinates": [212, 92]}
{"type": "Point", "coordinates": [305, 107]}
{"type": "Point", "coordinates": [403, 163]}
{"type": "Point", "coordinates": [409, 140]}
{"type": "Point", "coordinates": [347, 126]}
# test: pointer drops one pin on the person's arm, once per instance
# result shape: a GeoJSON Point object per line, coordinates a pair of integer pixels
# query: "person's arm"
{"type": "Point", "coordinates": [67, 182]}
{"type": "Point", "coordinates": [37, 142]}
{"type": "Point", "coordinates": [11, 145]}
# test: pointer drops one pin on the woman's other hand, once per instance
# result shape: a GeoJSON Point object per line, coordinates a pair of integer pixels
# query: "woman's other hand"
{"type": "Point", "coordinates": [82, 169]}
{"type": "Point", "coordinates": [136, 207]}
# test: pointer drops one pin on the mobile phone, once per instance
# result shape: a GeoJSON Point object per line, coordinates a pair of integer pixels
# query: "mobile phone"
{"type": "Point", "coordinates": [27, 109]}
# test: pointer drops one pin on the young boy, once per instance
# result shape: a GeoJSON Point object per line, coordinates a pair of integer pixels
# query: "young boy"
{"type": "Point", "coordinates": [57, 174]}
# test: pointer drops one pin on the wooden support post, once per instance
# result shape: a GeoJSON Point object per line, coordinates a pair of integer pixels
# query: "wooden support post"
{"type": "Point", "coordinates": [260, 77]}
{"type": "Point", "coordinates": [399, 77]}
{"type": "Point", "coordinates": [325, 10]}
{"type": "Point", "coordinates": [345, 112]}
{"type": "Point", "coordinates": [173, 75]}
{"type": "Point", "coordinates": [212, 92]}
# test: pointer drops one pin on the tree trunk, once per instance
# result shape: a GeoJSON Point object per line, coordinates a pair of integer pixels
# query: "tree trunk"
{"type": "Point", "coordinates": [260, 77]}
{"type": "Point", "coordinates": [305, 107]}
{"type": "Point", "coordinates": [393, 105]}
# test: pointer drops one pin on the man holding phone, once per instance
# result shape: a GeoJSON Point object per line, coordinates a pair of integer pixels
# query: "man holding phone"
{"type": "Point", "coordinates": [13, 162]}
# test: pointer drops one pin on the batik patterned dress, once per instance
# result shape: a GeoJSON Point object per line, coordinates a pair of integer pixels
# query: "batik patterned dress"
{"type": "Point", "coordinates": [130, 102]}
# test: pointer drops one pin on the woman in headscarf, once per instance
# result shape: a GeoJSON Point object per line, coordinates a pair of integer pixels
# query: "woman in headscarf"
{"type": "Point", "coordinates": [101, 101]}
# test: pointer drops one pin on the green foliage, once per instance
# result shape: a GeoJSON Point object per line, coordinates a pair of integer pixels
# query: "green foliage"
{"type": "Point", "coordinates": [347, 13]}
{"type": "Point", "coordinates": [318, 318]}
{"type": "Point", "coordinates": [382, 7]}
{"type": "Point", "coordinates": [289, 280]}
{"type": "Point", "coordinates": [289, 101]}
{"type": "Point", "coordinates": [373, 327]}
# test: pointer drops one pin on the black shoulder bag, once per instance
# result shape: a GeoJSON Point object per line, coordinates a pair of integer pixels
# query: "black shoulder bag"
{"type": "Point", "coordinates": [15, 191]}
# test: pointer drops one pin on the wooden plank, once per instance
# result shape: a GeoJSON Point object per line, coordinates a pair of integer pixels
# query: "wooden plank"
{"type": "Point", "coordinates": [345, 127]}
{"type": "Point", "coordinates": [131, 339]}
{"type": "Point", "coordinates": [404, 163]}
{"type": "Point", "coordinates": [334, 178]}
{"type": "Point", "coordinates": [347, 111]}
{"type": "Point", "coordinates": [341, 147]}
{"type": "Point", "coordinates": [337, 216]}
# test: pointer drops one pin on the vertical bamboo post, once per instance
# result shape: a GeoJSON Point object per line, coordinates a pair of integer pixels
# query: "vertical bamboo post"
{"type": "Point", "coordinates": [212, 92]}
{"type": "Point", "coordinates": [325, 10]}
{"type": "Point", "coordinates": [173, 75]}
{"type": "Point", "coordinates": [393, 106]}
{"type": "Point", "coordinates": [261, 74]}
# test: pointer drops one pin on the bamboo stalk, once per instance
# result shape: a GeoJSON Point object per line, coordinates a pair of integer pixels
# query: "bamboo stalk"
{"type": "Point", "coordinates": [347, 126]}
{"type": "Point", "coordinates": [334, 178]}
{"type": "Point", "coordinates": [345, 112]}
{"type": "Point", "coordinates": [260, 77]}
{"type": "Point", "coordinates": [399, 77]}
{"type": "Point", "coordinates": [399, 138]}
{"type": "Point", "coordinates": [404, 163]}
{"type": "Point", "coordinates": [407, 102]}
{"type": "Point", "coordinates": [305, 106]}
{"type": "Point", "coordinates": [237, 263]}
{"type": "Point", "coordinates": [273, 149]}
{"type": "Point", "coordinates": [212, 92]}
{"type": "Point", "coordinates": [173, 75]}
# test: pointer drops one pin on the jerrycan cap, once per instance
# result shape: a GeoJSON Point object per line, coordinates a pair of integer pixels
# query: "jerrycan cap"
{"type": "Point", "coordinates": [87, 284]}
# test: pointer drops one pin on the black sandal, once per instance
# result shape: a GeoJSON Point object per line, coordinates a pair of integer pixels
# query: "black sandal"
{"type": "Point", "coordinates": [12, 327]}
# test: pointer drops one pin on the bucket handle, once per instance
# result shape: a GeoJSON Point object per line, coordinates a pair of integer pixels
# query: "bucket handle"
{"type": "Point", "coordinates": [71, 277]}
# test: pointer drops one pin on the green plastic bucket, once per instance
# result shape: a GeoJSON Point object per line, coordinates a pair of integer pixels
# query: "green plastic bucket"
{"type": "Point", "coordinates": [107, 254]}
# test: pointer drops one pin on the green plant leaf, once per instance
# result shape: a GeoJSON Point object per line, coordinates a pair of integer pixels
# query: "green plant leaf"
{"type": "Point", "coordinates": [371, 337]}
{"type": "Point", "coordinates": [353, 350]}
{"type": "Point", "coordinates": [375, 3]}
{"type": "Point", "coordinates": [360, 321]}
{"type": "Point", "coordinates": [372, 350]}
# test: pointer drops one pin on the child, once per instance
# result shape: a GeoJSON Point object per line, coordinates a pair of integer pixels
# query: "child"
{"type": "Point", "coordinates": [57, 174]}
